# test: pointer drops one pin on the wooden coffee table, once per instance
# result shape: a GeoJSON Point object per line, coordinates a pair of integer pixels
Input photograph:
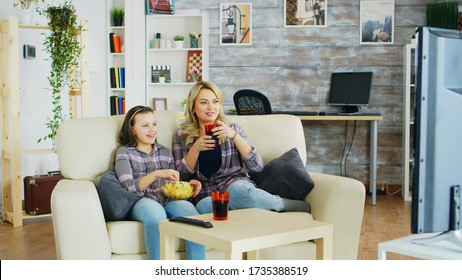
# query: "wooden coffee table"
{"type": "Point", "coordinates": [248, 230]}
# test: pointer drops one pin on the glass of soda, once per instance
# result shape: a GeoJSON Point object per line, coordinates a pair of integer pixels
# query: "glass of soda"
{"type": "Point", "coordinates": [220, 202]}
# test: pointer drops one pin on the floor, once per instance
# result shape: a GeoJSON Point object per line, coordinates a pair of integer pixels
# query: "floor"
{"type": "Point", "coordinates": [389, 219]}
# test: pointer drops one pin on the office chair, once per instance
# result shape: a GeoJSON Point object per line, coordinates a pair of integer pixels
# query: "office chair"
{"type": "Point", "coordinates": [251, 102]}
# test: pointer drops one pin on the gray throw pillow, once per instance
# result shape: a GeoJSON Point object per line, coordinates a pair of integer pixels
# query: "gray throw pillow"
{"type": "Point", "coordinates": [115, 200]}
{"type": "Point", "coordinates": [285, 176]}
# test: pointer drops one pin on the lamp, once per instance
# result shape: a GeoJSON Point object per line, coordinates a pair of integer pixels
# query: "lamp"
{"type": "Point", "coordinates": [317, 11]}
{"type": "Point", "coordinates": [231, 25]}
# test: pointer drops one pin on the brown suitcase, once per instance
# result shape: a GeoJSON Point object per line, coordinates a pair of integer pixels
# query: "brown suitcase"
{"type": "Point", "coordinates": [37, 193]}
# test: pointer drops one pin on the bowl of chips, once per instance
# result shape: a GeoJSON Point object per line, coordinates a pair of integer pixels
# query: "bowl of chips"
{"type": "Point", "coordinates": [178, 190]}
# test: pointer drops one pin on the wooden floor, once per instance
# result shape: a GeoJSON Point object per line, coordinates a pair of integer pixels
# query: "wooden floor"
{"type": "Point", "coordinates": [389, 219]}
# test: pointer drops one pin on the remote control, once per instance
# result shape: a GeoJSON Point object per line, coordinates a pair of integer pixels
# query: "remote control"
{"type": "Point", "coordinates": [191, 221]}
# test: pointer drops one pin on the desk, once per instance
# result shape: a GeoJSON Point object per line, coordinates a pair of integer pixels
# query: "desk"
{"type": "Point", "coordinates": [373, 157]}
{"type": "Point", "coordinates": [248, 230]}
{"type": "Point", "coordinates": [435, 251]}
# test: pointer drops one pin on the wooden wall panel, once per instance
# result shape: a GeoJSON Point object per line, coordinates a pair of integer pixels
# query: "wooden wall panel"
{"type": "Point", "coordinates": [292, 67]}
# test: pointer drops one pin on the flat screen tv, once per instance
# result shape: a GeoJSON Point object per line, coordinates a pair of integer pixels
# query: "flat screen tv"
{"type": "Point", "coordinates": [436, 193]}
{"type": "Point", "coordinates": [350, 90]}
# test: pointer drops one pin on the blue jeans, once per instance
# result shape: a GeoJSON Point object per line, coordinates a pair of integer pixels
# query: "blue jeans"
{"type": "Point", "coordinates": [150, 213]}
{"type": "Point", "coordinates": [244, 194]}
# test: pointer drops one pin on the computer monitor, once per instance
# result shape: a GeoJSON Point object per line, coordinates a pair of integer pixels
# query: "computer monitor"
{"type": "Point", "coordinates": [350, 90]}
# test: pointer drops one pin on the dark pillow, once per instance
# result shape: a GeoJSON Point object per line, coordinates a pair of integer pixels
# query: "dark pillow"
{"type": "Point", "coordinates": [285, 176]}
{"type": "Point", "coordinates": [116, 201]}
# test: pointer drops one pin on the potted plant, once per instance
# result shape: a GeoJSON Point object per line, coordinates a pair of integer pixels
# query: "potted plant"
{"type": "Point", "coordinates": [25, 13]}
{"type": "Point", "coordinates": [178, 41]}
{"type": "Point", "coordinates": [162, 78]}
{"type": "Point", "coordinates": [118, 16]}
{"type": "Point", "coordinates": [63, 46]}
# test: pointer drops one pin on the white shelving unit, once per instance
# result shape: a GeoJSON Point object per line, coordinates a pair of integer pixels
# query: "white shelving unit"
{"type": "Point", "coordinates": [408, 118]}
{"type": "Point", "coordinates": [170, 26]}
{"type": "Point", "coordinates": [133, 52]}
{"type": "Point", "coordinates": [116, 59]}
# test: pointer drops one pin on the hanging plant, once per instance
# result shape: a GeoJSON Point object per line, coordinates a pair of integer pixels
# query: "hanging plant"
{"type": "Point", "coordinates": [62, 45]}
{"type": "Point", "coordinates": [25, 4]}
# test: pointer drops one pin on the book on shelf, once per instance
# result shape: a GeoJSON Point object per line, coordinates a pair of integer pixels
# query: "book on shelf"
{"type": "Point", "coordinates": [112, 77]}
{"type": "Point", "coordinates": [121, 105]}
{"type": "Point", "coordinates": [117, 44]}
{"type": "Point", "coordinates": [117, 105]}
{"type": "Point", "coordinates": [111, 42]}
{"type": "Point", "coordinates": [157, 70]}
{"type": "Point", "coordinates": [112, 102]}
{"type": "Point", "coordinates": [122, 77]}
{"type": "Point", "coordinates": [117, 77]}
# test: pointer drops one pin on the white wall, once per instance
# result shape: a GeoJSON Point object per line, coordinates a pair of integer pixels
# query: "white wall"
{"type": "Point", "coordinates": [35, 104]}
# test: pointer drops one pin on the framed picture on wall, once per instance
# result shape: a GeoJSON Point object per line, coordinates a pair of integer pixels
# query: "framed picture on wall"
{"type": "Point", "coordinates": [159, 7]}
{"type": "Point", "coordinates": [305, 13]}
{"type": "Point", "coordinates": [159, 104]}
{"type": "Point", "coordinates": [377, 22]}
{"type": "Point", "coordinates": [235, 24]}
{"type": "Point", "coordinates": [459, 26]}
{"type": "Point", "coordinates": [194, 67]}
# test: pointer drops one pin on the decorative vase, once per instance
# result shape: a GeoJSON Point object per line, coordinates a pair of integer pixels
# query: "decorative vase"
{"type": "Point", "coordinates": [194, 78]}
{"type": "Point", "coordinates": [194, 43]}
{"type": "Point", "coordinates": [178, 44]}
{"type": "Point", "coordinates": [181, 111]}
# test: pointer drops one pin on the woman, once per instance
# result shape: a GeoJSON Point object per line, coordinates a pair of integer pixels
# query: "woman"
{"type": "Point", "coordinates": [223, 166]}
{"type": "Point", "coordinates": [142, 165]}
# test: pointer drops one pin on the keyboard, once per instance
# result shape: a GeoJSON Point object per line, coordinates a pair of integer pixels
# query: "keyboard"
{"type": "Point", "coordinates": [296, 113]}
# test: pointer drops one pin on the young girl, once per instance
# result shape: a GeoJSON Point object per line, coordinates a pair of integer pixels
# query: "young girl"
{"type": "Point", "coordinates": [223, 166]}
{"type": "Point", "coordinates": [143, 166]}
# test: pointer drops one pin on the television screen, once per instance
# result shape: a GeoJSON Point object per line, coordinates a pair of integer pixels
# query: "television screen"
{"type": "Point", "coordinates": [436, 195]}
{"type": "Point", "coordinates": [350, 90]}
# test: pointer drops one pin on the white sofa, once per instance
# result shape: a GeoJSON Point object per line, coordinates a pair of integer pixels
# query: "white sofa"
{"type": "Point", "coordinates": [86, 149]}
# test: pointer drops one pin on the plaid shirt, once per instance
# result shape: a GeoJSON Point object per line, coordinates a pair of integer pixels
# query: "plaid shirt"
{"type": "Point", "coordinates": [132, 164]}
{"type": "Point", "coordinates": [233, 166]}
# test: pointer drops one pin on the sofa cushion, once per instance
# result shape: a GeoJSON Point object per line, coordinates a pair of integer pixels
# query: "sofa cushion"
{"type": "Point", "coordinates": [116, 201]}
{"type": "Point", "coordinates": [126, 237]}
{"type": "Point", "coordinates": [285, 176]}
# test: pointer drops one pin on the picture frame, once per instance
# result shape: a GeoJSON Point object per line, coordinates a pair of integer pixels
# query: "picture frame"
{"type": "Point", "coordinates": [159, 7]}
{"type": "Point", "coordinates": [305, 13]}
{"type": "Point", "coordinates": [459, 26]}
{"type": "Point", "coordinates": [377, 22]}
{"type": "Point", "coordinates": [235, 24]}
{"type": "Point", "coordinates": [194, 62]}
{"type": "Point", "coordinates": [159, 104]}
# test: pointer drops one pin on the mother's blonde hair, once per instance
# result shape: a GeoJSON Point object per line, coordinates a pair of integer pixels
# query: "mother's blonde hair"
{"type": "Point", "coordinates": [190, 127]}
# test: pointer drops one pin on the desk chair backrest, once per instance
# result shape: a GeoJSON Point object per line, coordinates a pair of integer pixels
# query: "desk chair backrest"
{"type": "Point", "coordinates": [251, 102]}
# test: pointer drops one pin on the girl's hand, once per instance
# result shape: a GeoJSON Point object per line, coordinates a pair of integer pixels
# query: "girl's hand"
{"type": "Point", "coordinates": [169, 174]}
{"type": "Point", "coordinates": [197, 186]}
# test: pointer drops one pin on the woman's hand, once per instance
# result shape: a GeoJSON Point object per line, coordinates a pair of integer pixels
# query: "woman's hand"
{"type": "Point", "coordinates": [197, 187]}
{"type": "Point", "coordinates": [205, 143]}
{"type": "Point", "coordinates": [223, 130]}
